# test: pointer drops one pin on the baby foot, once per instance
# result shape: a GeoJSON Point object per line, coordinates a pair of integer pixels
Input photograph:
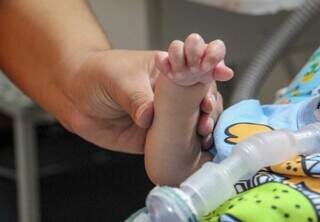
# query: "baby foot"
{"type": "Point", "coordinates": [191, 62]}
{"type": "Point", "coordinates": [173, 149]}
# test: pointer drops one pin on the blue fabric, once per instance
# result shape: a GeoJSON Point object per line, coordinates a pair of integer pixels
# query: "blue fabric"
{"type": "Point", "coordinates": [307, 81]}
{"type": "Point", "coordinates": [297, 108]}
{"type": "Point", "coordinates": [249, 116]}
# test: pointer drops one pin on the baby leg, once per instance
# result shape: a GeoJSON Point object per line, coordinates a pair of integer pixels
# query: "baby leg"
{"type": "Point", "coordinates": [173, 149]}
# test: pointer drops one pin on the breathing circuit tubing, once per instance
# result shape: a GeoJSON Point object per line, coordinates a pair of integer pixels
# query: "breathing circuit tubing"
{"type": "Point", "coordinates": [249, 81]}
{"type": "Point", "coordinates": [213, 183]}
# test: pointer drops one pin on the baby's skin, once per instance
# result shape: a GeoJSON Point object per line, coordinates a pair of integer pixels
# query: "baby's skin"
{"type": "Point", "coordinates": [173, 147]}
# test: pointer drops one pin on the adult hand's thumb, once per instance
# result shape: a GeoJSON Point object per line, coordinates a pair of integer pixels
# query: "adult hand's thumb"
{"type": "Point", "coordinates": [135, 96]}
{"type": "Point", "coordinates": [140, 104]}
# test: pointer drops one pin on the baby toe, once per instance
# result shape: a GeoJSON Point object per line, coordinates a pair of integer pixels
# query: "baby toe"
{"type": "Point", "coordinates": [194, 48]}
{"type": "Point", "coordinates": [214, 53]}
{"type": "Point", "coordinates": [176, 56]}
{"type": "Point", "coordinates": [222, 72]}
{"type": "Point", "coordinates": [162, 62]}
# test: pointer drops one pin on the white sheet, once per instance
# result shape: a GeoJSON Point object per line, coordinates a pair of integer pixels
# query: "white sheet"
{"type": "Point", "coordinates": [253, 7]}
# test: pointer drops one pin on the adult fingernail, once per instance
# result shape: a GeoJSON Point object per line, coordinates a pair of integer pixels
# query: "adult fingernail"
{"type": "Point", "coordinates": [214, 98]}
{"type": "Point", "coordinates": [212, 101]}
{"type": "Point", "coordinates": [211, 120]}
{"type": "Point", "coordinates": [207, 142]}
{"type": "Point", "coordinates": [144, 115]}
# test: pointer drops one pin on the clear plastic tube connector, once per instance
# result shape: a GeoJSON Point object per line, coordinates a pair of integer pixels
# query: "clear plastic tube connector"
{"type": "Point", "coordinates": [213, 183]}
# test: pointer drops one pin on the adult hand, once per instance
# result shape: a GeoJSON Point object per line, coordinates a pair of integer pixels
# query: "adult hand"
{"type": "Point", "coordinates": [112, 93]}
{"type": "Point", "coordinates": [57, 54]}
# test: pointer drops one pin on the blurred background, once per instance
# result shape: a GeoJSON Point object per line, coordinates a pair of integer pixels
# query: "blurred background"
{"type": "Point", "coordinates": [80, 182]}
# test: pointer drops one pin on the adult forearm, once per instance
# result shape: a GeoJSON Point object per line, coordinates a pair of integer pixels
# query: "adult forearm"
{"type": "Point", "coordinates": [42, 43]}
